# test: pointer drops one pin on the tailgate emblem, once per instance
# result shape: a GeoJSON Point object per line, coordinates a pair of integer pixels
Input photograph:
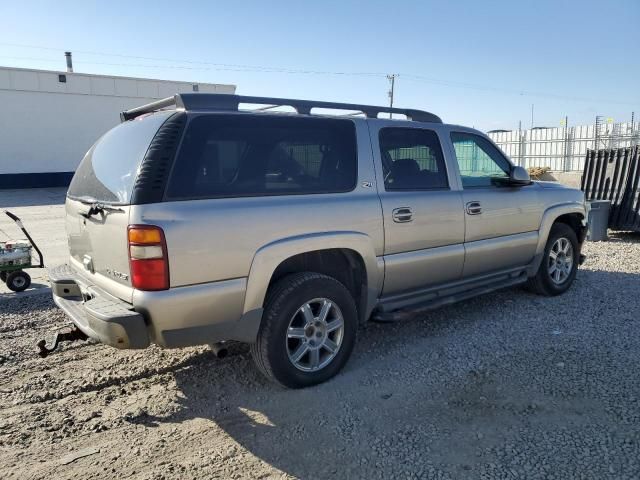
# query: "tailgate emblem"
{"type": "Point", "coordinates": [115, 273]}
{"type": "Point", "coordinates": [88, 263]}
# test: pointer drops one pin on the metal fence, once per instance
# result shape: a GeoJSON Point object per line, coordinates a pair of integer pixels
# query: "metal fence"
{"type": "Point", "coordinates": [564, 149]}
{"type": "Point", "coordinates": [614, 175]}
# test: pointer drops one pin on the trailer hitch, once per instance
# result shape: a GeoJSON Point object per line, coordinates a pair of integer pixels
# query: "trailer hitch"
{"type": "Point", "coordinates": [70, 334]}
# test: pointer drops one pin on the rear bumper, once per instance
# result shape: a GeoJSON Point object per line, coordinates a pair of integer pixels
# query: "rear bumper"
{"type": "Point", "coordinates": [99, 315]}
{"type": "Point", "coordinates": [178, 317]}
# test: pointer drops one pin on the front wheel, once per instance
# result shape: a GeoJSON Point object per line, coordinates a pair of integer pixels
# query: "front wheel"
{"type": "Point", "coordinates": [307, 332]}
{"type": "Point", "coordinates": [18, 281]}
{"type": "Point", "coordinates": [559, 264]}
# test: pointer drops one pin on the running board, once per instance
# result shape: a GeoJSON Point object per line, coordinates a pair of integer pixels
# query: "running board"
{"type": "Point", "coordinates": [398, 307]}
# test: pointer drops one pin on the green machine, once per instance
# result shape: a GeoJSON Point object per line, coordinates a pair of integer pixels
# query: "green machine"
{"type": "Point", "coordinates": [16, 256]}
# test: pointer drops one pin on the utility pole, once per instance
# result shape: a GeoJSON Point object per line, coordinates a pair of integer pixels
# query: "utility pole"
{"type": "Point", "coordinates": [567, 165]}
{"type": "Point", "coordinates": [392, 79]}
{"type": "Point", "coordinates": [596, 131]}
{"type": "Point", "coordinates": [520, 144]}
{"type": "Point", "coordinates": [532, 115]}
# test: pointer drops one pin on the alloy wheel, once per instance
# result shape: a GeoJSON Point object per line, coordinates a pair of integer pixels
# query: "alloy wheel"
{"type": "Point", "coordinates": [314, 334]}
{"type": "Point", "coordinates": [560, 260]}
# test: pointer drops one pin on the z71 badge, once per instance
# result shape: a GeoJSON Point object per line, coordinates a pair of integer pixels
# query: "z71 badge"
{"type": "Point", "coordinates": [116, 274]}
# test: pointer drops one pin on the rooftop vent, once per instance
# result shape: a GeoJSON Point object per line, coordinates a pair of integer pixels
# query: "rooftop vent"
{"type": "Point", "coordinates": [69, 62]}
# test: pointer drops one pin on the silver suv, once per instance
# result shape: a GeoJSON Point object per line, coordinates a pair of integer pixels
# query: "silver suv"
{"type": "Point", "coordinates": [197, 221]}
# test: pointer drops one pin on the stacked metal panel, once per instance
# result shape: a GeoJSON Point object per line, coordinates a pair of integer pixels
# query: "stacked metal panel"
{"type": "Point", "coordinates": [614, 175]}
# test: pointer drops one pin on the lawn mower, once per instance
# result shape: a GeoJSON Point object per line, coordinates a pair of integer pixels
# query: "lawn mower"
{"type": "Point", "coordinates": [15, 257]}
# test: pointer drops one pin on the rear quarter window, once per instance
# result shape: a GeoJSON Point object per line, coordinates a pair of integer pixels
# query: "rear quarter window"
{"type": "Point", "coordinates": [252, 155]}
{"type": "Point", "coordinates": [108, 171]}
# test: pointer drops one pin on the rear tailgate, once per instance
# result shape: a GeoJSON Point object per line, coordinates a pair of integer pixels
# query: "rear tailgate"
{"type": "Point", "coordinates": [98, 247]}
{"type": "Point", "coordinates": [98, 204]}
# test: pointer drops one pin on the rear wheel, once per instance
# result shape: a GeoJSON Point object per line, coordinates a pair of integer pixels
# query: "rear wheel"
{"type": "Point", "coordinates": [3, 276]}
{"type": "Point", "coordinates": [18, 281]}
{"type": "Point", "coordinates": [308, 330]}
{"type": "Point", "coordinates": [560, 262]}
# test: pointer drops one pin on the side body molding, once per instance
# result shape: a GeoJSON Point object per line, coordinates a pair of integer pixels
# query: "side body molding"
{"type": "Point", "coordinates": [268, 257]}
{"type": "Point", "coordinates": [548, 218]}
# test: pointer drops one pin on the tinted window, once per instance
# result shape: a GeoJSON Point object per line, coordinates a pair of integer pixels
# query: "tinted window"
{"type": "Point", "coordinates": [412, 159]}
{"type": "Point", "coordinates": [481, 164]}
{"type": "Point", "coordinates": [108, 170]}
{"type": "Point", "coordinates": [246, 155]}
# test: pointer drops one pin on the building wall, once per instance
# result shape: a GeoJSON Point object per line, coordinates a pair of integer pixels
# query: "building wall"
{"type": "Point", "coordinates": [46, 126]}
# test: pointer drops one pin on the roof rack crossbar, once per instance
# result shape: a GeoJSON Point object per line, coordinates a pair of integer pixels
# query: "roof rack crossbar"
{"type": "Point", "coordinates": [352, 114]}
{"type": "Point", "coordinates": [148, 108]}
{"type": "Point", "coordinates": [260, 109]}
{"type": "Point", "coordinates": [219, 101]}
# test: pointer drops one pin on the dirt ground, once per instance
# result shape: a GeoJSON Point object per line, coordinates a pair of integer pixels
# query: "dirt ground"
{"type": "Point", "coordinates": [509, 385]}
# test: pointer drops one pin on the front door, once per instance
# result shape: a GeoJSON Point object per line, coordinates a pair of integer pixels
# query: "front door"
{"type": "Point", "coordinates": [423, 214]}
{"type": "Point", "coordinates": [501, 221]}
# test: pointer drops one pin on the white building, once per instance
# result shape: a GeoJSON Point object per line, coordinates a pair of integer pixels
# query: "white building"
{"type": "Point", "coordinates": [49, 119]}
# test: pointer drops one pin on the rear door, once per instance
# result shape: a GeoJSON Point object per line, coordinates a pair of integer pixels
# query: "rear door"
{"type": "Point", "coordinates": [501, 222]}
{"type": "Point", "coordinates": [106, 176]}
{"type": "Point", "coordinates": [422, 208]}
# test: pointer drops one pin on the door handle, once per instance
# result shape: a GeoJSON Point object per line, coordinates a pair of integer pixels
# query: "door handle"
{"type": "Point", "coordinates": [402, 215]}
{"type": "Point", "coordinates": [474, 208]}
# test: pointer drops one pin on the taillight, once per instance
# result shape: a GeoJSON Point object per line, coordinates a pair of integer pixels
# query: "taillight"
{"type": "Point", "coordinates": [148, 257]}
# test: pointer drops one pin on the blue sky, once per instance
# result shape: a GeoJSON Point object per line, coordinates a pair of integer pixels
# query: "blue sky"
{"type": "Point", "coordinates": [480, 63]}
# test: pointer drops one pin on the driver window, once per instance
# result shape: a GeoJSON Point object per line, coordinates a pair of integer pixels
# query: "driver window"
{"type": "Point", "coordinates": [481, 164]}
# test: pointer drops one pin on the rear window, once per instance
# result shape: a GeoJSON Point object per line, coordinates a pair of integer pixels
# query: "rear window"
{"type": "Point", "coordinates": [108, 170]}
{"type": "Point", "coordinates": [249, 155]}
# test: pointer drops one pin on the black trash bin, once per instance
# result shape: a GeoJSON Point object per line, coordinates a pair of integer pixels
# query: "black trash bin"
{"type": "Point", "coordinates": [598, 220]}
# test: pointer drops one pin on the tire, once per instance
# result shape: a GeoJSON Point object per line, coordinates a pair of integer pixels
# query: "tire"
{"type": "Point", "coordinates": [3, 276]}
{"type": "Point", "coordinates": [18, 281]}
{"type": "Point", "coordinates": [553, 277]}
{"type": "Point", "coordinates": [278, 345]}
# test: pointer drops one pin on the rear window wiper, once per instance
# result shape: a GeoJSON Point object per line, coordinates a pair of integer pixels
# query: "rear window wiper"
{"type": "Point", "coordinates": [97, 208]}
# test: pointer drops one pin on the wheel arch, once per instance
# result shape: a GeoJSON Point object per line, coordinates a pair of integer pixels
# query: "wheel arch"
{"type": "Point", "coordinates": [318, 252]}
{"type": "Point", "coordinates": [577, 223]}
{"type": "Point", "coordinates": [572, 214]}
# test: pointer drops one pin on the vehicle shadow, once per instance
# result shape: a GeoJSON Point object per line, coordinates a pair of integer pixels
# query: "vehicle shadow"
{"type": "Point", "coordinates": [318, 432]}
{"type": "Point", "coordinates": [624, 237]}
{"type": "Point", "coordinates": [36, 288]}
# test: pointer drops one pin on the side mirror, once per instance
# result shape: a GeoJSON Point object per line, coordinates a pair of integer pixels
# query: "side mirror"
{"type": "Point", "coordinates": [519, 176]}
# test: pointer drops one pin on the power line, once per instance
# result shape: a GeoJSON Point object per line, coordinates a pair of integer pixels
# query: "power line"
{"type": "Point", "coordinates": [228, 68]}
{"type": "Point", "coordinates": [523, 93]}
{"type": "Point", "coordinates": [212, 66]}
{"type": "Point", "coordinates": [108, 63]}
{"type": "Point", "coordinates": [256, 68]}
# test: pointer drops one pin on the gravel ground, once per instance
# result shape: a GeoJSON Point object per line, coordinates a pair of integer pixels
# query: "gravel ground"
{"type": "Point", "coordinates": [510, 385]}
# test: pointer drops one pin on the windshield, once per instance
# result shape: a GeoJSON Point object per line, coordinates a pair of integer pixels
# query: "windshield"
{"type": "Point", "coordinates": [108, 170]}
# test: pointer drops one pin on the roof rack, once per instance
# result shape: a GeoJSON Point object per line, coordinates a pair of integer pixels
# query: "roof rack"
{"type": "Point", "coordinates": [219, 101]}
